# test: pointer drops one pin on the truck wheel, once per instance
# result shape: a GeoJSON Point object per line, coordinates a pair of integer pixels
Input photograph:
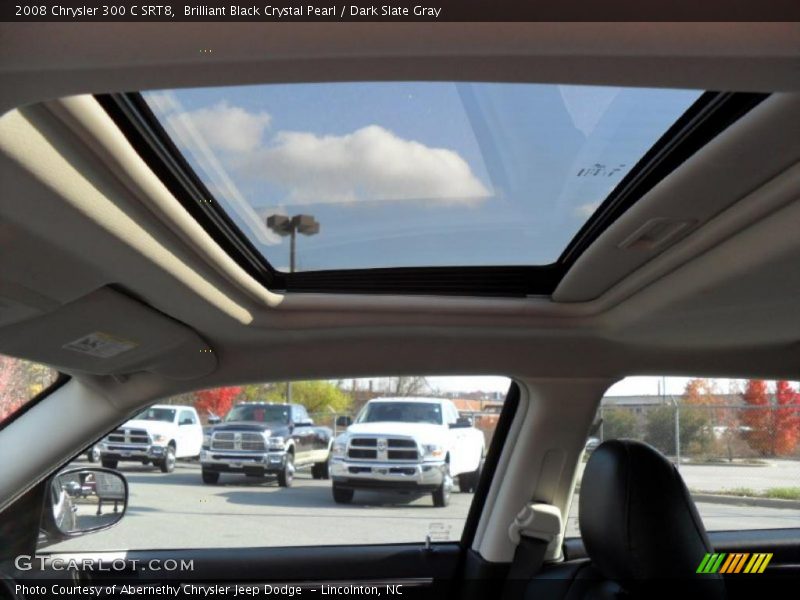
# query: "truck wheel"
{"type": "Point", "coordinates": [441, 496]}
{"type": "Point", "coordinates": [286, 476]}
{"type": "Point", "coordinates": [167, 464]}
{"type": "Point", "coordinates": [342, 495]}
{"type": "Point", "coordinates": [210, 477]}
{"type": "Point", "coordinates": [109, 463]}
{"type": "Point", "coordinates": [468, 482]}
{"type": "Point", "coordinates": [320, 470]}
{"type": "Point", "coordinates": [93, 454]}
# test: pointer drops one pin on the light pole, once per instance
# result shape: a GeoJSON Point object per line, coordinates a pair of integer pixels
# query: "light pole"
{"type": "Point", "coordinates": [284, 225]}
{"type": "Point", "coordinates": [291, 226]}
{"type": "Point", "coordinates": [663, 392]}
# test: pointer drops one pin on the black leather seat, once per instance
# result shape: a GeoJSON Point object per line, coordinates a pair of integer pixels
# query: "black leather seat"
{"type": "Point", "coordinates": [640, 529]}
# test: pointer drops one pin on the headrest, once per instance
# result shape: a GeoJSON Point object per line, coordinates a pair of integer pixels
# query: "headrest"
{"type": "Point", "coordinates": [637, 519]}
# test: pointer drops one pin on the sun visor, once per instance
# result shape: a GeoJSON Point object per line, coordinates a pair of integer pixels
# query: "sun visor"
{"type": "Point", "coordinates": [108, 333]}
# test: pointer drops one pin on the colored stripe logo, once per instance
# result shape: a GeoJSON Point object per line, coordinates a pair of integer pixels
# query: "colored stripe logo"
{"type": "Point", "coordinates": [734, 563]}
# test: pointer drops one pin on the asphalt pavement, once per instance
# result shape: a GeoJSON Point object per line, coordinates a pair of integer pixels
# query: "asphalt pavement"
{"type": "Point", "coordinates": [177, 510]}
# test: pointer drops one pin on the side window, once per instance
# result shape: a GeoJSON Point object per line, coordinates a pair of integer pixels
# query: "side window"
{"type": "Point", "coordinates": [186, 416]}
{"type": "Point", "coordinates": [735, 442]}
{"type": "Point", "coordinates": [20, 382]}
{"type": "Point", "coordinates": [250, 480]}
{"type": "Point", "coordinates": [302, 415]}
{"type": "Point", "coordinates": [450, 413]}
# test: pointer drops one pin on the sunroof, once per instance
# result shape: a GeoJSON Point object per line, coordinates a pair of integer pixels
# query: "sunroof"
{"type": "Point", "coordinates": [414, 174]}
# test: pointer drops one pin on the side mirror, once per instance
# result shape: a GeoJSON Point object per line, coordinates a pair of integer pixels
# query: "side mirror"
{"type": "Point", "coordinates": [343, 421]}
{"type": "Point", "coordinates": [305, 423]}
{"type": "Point", "coordinates": [214, 420]}
{"type": "Point", "coordinates": [82, 501]}
{"type": "Point", "coordinates": [461, 422]}
{"type": "Point", "coordinates": [186, 422]}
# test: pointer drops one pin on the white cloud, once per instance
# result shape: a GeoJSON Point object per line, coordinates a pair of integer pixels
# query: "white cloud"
{"type": "Point", "coordinates": [584, 211]}
{"type": "Point", "coordinates": [225, 127]}
{"type": "Point", "coordinates": [183, 130]}
{"type": "Point", "coordinates": [369, 164]}
{"type": "Point", "coordinates": [372, 163]}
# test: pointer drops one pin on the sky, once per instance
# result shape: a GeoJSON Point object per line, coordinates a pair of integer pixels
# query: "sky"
{"type": "Point", "coordinates": [415, 174]}
{"type": "Point", "coordinates": [629, 386]}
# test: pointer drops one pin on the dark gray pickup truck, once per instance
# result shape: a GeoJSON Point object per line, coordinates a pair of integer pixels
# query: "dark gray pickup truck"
{"type": "Point", "coordinates": [261, 439]}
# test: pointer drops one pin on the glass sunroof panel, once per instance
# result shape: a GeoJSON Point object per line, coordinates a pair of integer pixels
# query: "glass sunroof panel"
{"type": "Point", "coordinates": [414, 174]}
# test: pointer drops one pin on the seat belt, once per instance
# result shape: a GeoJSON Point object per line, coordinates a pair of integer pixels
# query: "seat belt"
{"type": "Point", "coordinates": [537, 532]}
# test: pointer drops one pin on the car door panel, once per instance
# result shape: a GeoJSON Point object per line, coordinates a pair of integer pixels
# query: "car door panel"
{"type": "Point", "coordinates": [303, 444]}
{"type": "Point", "coordinates": [783, 544]}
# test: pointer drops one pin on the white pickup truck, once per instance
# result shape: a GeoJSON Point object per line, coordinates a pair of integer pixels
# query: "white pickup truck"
{"type": "Point", "coordinates": [410, 445]}
{"type": "Point", "coordinates": [157, 435]}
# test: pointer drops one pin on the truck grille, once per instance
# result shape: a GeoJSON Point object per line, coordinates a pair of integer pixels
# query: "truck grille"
{"type": "Point", "coordinates": [365, 442]}
{"type": "Point", "coordinates": [402, 455]}
{"type": "Point", "coordinates": [383, 449]}
{"type": "Point", "coordinates": [124, 435]}
{"type": "Point", "coordinates": [234, 440]}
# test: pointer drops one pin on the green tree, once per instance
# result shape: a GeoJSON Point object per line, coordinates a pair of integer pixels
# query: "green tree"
{"type": "Point", "coordinates": [316, 396]}
{"type": "Point", "coordinates": [704, 392]}
{"type": "Point", "coordinates": [618, 423]}
{"type": "Point", "coordinates": [695, 429]}
{"type": "Point", "coordinates": [259, 392]}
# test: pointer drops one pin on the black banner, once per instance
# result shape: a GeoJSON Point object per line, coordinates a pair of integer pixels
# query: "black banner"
{"type": "Point", "coordinates": [398, 10]}
{"type": "Point", "coordinates": [550, 586]}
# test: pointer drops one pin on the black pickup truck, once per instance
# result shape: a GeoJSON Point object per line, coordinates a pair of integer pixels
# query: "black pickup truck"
{"type": "Point", "coordinates": [260, 439]}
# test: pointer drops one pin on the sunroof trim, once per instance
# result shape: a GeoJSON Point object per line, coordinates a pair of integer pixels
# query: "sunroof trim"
{"type": "Point", "coordinates": [141, 127]}
{"type": "Point", "coordinates": [705, 119]}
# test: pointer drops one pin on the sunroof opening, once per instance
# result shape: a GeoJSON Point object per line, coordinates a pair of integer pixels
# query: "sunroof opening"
{"type": "Point", "coordinates": [342, 176]}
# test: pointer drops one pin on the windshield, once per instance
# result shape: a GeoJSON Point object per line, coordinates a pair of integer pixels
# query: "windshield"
{"type": "Point", "coordinates": [157, 414]}
{"type": "Point", "coordinates": [270, 413]}
{"type": "Point", "coordinates": [403, 412]}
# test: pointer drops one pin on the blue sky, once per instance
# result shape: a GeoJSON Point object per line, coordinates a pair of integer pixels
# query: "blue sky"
{"type": "Point", "coordinates": [414, 174]}
{"type": "Point", "coordinates": [629, 386]}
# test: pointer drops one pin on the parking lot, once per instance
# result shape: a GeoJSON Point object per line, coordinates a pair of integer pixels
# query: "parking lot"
{"type": "Point", "coordinates": [177, 511]}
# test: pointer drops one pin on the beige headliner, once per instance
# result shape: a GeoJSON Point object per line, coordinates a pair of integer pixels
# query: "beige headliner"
{"type": "Point", "coordinates": [624, 311]}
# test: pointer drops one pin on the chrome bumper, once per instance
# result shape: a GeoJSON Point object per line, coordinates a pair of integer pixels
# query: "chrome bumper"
{"type": "Point", "coordinates": [137, 452]}
{"type": "Point", "coordinates": [234, 460]}
{"type": "Point", "coordinates": [393, 474]}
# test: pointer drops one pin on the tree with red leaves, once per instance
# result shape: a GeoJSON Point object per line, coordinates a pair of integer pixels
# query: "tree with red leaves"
{"type": "Point", "coordinates": [786, 422]}
{"type": "Point", "coordinates": [758, 419]}
{"type": "Point", "coordinates": [217, 401]}
{"type": "Point", "coordinates": [12, 389]}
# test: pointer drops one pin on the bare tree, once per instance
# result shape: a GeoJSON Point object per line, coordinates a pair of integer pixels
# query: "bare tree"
{"type": "Point", "coordinates": [407, 386]}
